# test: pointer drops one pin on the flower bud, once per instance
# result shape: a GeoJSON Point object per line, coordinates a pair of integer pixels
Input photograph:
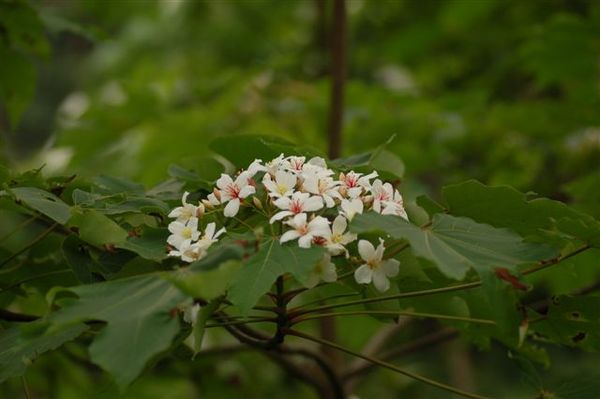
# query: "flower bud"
{"type": "Point", "coordinates": [200, 210]}
{"type": "Point", "coordinates": [207, 204]}
{"type": "Point", "coordinates": [257, 203]}
{"type": "Point", "coordinates": [217, 194]}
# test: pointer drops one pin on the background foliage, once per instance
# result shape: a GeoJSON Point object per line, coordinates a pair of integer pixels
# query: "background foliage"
{"type": "Point", "coordinates": [505, 92]}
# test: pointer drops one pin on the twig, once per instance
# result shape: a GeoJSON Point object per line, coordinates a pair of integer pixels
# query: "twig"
{"type": "Point", "coordinates": [390, 366]}
{"type": "Point", "coordinates": [31, 244]}
{"type": "Point", "coordinates": [392, 313]}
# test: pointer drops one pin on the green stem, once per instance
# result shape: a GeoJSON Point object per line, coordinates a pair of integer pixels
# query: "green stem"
{"type": "Point", "coordinates": [387, 365]}
{"type": "Point", "coordinates": [241, 322]}
{"type": "Point", "coordinates": [394, 313]}
{"type": "Point", "coordinates": [297, 312]}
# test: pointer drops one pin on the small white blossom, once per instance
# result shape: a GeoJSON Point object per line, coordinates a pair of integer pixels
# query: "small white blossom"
{"type": "Point", "coordinates": [375, 269]}
{"type": "Point", "coordinates": [189, 252]}
{"type": "Point", "coordinates": [279, 163]}
{"type": "Point", "coordinates": [186, 211]}
{"type": "Point", "coordinates": [232, 192]}
{"type": "Point", "coordinates": [210, 235]}
{"type": "Point", "coordinates": [255, 167]}
{"type": "Point", "coordinates": [353, 184]}
{"type": "Point", "coordinates": [338, 238]}
{"type": "Point", "coordinates": [325, 187]}
{"type": "Point", "coordinates": [305, 232]}
{"type": "Point", "coordinates": [352, 207]}
{"type": "Point", "coordinates": [381, 192]}
{"type": "Point", "coordinates": [283, 186]}
{"type": "Point", "coordinates": [298, 203]}
{"type": "Point", "coordinates": [296, 163]}
{"type": "Point", "coordinates": [395, 206]}
{"type": "Point", "coordinates": [324, 270]}
{"type": "Point", "coordinates": [183, 233]}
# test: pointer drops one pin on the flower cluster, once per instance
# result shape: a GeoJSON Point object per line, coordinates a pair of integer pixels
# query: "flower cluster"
{"type": "Point", "coordinates": [311, 205]}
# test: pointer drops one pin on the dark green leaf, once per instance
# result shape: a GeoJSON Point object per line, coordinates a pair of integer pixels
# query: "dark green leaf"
{"type": "Point", "coordinates": [44, 202]}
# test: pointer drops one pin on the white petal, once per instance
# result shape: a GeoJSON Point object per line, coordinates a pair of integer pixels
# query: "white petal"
{"type": "Point", "coordinates": [329, 274]}
{"type": "Point", "coordinates": [329, 202]}
{"type": "Point", "coordinates": [312, 204]}
{"type": "Point", "coordinates": [184, 198]}
{"type": "Point", "coordinates": [283, 203]}
{"type": "Point", "coordinates": [363, 274]}
{"type": "Point", "coordinates": [210, 230]}
{"type": "Point", "coordinates": [366, 250]}
{"type": "Point", "coordinates": [390, 267]}
{"type": "Point", "coordinates": [380, 281]}
{"type": "Point", "coordinates": [246, 191]}
{"type": "Point", "coordinates": [305, 241]}
{"type": "Point", "coordinates": [224, 181]}
{"type": "Point", "coordinates": [379, 251]}
{"type": "Point", "coordinates": [288, 236]}
{"type": "Point", "coordinates": [339, 225]}
{"type": "Point", "coordinates": [232, 208]}
{"type": "Point", "coordinates": [279, 216]}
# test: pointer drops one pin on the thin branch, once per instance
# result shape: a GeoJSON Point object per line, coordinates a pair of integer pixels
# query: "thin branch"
{"type": "Point", "coordinates": [541, 265]}
{"type": "Point", "coordinates": [390, 366]}
{"type": "Point", "coordinates": [338, 78]}
{"type": "Point", "coordinates": [393, 313]}
{"type": "Point", "coordinates": [242, 322]}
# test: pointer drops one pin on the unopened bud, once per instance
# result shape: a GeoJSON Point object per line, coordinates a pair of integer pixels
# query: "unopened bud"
{"type": "Point", "coordinates": [217, 194]}
{"type": "Point", "coordinates": [367, 200]}
{"type": "Point", "coordinates": [343, 191]}
{"type": "Point", "coordinates": [207, 204]}
{"type": "Point", "coordinates": [257, 203]}
{"type": "Point", "coordinates": [200, 210]}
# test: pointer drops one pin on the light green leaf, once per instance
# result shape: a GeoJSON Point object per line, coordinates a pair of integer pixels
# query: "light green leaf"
{"type": "Point", "coordinates": [456, 244]}
{"type": "Point", "coordinates": [199, 327]}
{"type": "Point", "coordinates": [44, 202]}
{"type": "Point", "coordinates": [140, 322]}
{"type": "Point", "coordinates": [98, 229]}
{"type": "Point", "coordinates": [271, 261]}
{"type": "Point", "coordinates": [150, 244]}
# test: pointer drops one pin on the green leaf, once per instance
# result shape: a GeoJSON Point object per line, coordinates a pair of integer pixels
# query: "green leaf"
{"type": "Point", "coordinates": [140, 323]}
{"type": "Point", "coordinates": [86, 269]}
{"type": "Point", "coordinates": [208, 283]}
{"type": "Point", "coordinates": [572, 321]}
{"type": "Point", "coordinates": [23, 27]}
{"type": "Point", "coordinates": [20, 345]}
{"type": "Point", "coordinates": [504, 206]}
{"type": "Point", "coordinates": [456, 244]}
{"type": "Point", "coordinates": [199, 327]}
{"type": "Point", "coordinates": [218, 255]}
{"type": "Point", "coordinates": [150, 244]}
{"type": "Point", "coordinates": [388, 164]}
{"type": "Point", "coordinates": [44, 202]}
{"type": "Point", "coordinates": [272, 260]}
{"type": "Point", "coordinates": [98, 229]}
{"type": "Point", "coordinates": [116, 185]}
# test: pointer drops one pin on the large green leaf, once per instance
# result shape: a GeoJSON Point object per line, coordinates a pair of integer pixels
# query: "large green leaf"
{"type": "Point", "coordinates": [503, 206]}
{"type": "Point", "coordinates": [271, 261]}
{"type": "Point", "coordinates": [20, 345]}
{"type": "Point", "coordinates": [44, 202]}
{"type": "Point", "coordinates": [457, 244]}
{"type": "Point", "coordinates": [149, 244]}
{"type": "Point", "coordinates": [140, 322]}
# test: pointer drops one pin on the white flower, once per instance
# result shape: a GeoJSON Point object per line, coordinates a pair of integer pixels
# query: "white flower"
{"type": "Point", "coordinates": [316, 166]}
{"type": "Point", "coordinates": [255, 167]}
{"type": "Point", "coordinates": [296, 163]}
{"type": "Point", "coordinates": [189, 252]}
{"type": "Point", "coordinates": [305, 232]}
{"type": "Point", "coordinates": [210, 236]}
{"type": "Point", "coordinates": [352, 207]}
{"type": "Point", "coordinates": [276, 164]}
{"type": "Point", "coordinates": [234, 191]}
{"type": "Point", "coordinates": [382, 192]}
{"type": "Point", "coordinates": [283, 186]}
{"type": "Point", "coordinates": [183, 233]}
{"type": "Point", "coordinates": [375, 269]}
{"type": "Point", "coordinates": [322, 270]}
{"type": "Point", "coordinates": [298, 203]}
{"type": "Point", "coordinates": [353, 184]}
{"type": "Point", "coordinates": [395, 206]}
{"type": "Point", "coordinates": [186, 211]}
{"type": "Point", "coordinates": [325, 187]}
{"type": "Point", "coordinates": [338, 238]}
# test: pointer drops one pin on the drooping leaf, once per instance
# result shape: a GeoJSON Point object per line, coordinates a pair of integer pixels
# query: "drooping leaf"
{"type": "Point", "coordinates": [259, 273]}
{"type": "Point", "coordinates": [84, 267]}
{"type": "Point", "coordinates": [44, 202]}
{"type": "Point", "coordinates": [457, 244]}
{"type": "Point", "coordinates": [140, 322]}
{"type": "Point", "coordinates": [20, 345]}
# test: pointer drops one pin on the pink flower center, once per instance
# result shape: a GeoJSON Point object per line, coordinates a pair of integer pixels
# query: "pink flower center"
{"type": "Point", "coordinates": [296, 206]}
{"type": "Point", "coordinates": [233, 190]}
{"type": "Point", "coordinates": [351, 181]}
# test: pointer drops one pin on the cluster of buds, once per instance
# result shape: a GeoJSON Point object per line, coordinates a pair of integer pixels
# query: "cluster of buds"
{"type": "Point", "coordinates": [308, 202]}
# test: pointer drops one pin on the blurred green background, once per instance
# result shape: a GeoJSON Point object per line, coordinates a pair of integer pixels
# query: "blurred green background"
{"type": "Point", "coordinates": [504, 91]}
